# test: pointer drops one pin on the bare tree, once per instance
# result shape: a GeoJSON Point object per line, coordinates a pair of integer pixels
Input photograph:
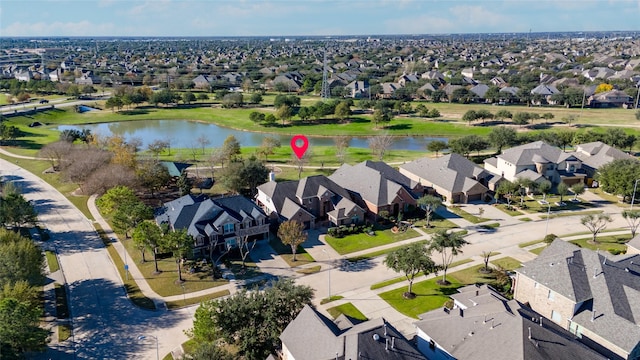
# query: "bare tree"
{"type": "Point", "coordinates": [342, 144]}
{"type": "Point", "coordinates": [82, 162]}
{"type": "Point", "coordinates": [203, 141]}
{"type": "Point", "coordinates": [157, 146]}
{"type": "Point", "coordinates": [55, 152]}
{"type": "Point", "coordinates": [244, 247]}
{"type": "Point", "coordinates": [300, 162]}
{"type": "Point", "coordinates": [193, 150]}
{"type": "Point", "coordinates": [379, 145]}
{"type": "Point", "coordinates": [109, 176]}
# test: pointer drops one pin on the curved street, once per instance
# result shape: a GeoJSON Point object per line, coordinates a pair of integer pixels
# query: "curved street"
{"type": "Point", "coordinates": [107, 325]}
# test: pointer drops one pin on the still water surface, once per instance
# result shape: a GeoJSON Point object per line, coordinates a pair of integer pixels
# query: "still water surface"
{"type": "Point", "coordinates": [184, 134]}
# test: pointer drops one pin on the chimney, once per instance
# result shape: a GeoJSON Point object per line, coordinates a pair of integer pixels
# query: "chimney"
{"type": "Point", "coordinates": [529, 332]}
{"type": "Point", "coordinates": [461, 312]}
{"type": "Point", "coordinates": [386, 344]}
{"type": "Point", "coordinates": [385, 329]}
{"type": "Point", "coordinates": [393, 342]}
{"type": "Point", "coordinates": [540, 320]}
{"type": "Point", "coordinates": [593, 315]}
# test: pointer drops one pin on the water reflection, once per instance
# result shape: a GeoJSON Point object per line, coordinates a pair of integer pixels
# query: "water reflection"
{"type": "Point", "coordinates": [184, 134]}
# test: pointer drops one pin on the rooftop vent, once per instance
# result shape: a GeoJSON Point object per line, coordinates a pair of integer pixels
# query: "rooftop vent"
{"type": "Point", "coordinates": [376, 337]}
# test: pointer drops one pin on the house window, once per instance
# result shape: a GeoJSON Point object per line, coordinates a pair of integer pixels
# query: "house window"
{"type": "Point", "coordinates": [550, 295]}
{"type": "Point", "coordinates": [556, 317]}
{"type": "Point", "coordinates": [228, 228]}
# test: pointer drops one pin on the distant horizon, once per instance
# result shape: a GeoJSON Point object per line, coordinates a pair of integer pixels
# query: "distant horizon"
{"type": "Point", "coordinates": [310, 18]}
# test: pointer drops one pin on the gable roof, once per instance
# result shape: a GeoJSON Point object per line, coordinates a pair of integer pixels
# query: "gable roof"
{"type": "Point", "coordinates": [312, 336]}
{"type": "Point", "coordinates": [452, 172]}
{"type": "Point", "coordinates": [374, 181]}
{"type": "Point", "coordinates": [494, 328]}
{"type": "Point", "coordinates": [596, 154]}
{"type": "Point", "coordinates": [537, 151]}
{"type": "Point", "coordinates": [607, 285]}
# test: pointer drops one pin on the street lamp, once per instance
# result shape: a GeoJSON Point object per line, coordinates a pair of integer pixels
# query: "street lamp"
{"type": "Point", "coordinates": [633, 197]}
{"type": "Point", "coordinates": [546, 231]}
{"type": "Point", "coordinates": [143, 337]}
{"type": "Point", "coordinates": [329, 274]}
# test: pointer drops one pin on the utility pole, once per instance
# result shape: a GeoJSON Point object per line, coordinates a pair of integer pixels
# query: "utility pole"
{"type": "Point", "coordinates": [324, 94]}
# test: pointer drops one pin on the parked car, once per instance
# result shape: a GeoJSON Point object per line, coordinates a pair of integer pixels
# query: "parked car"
{"type": "Point", "coordinates": [44, 101]}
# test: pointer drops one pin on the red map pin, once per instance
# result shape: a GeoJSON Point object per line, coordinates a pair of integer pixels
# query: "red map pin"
{"type": "Point", "coordinates": [299, 145]}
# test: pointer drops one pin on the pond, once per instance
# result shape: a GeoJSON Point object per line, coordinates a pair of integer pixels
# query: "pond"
{"type": "Point", "coordinates": [184, 134]}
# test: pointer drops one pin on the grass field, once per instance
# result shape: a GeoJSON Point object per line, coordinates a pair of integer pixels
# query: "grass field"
{"type": "Point", "coordinates": [607, 243]}
{"type": "Point", "coordinates": [196, 300]}
{"type": "Point", "coordinates": [459, 210]}
{"type": "Point", "coordinates": [429, 296]}
{"type": "Point", "coordinates": [507, 263]}
{"type": "Point", "coordinates": [302, 257]}
{"type": "Point", "coordinates": [52, 260]}
{"type": "Point", "coordinates": [348, 309]}
{"type": "Point", "coordinates": [359, 242]}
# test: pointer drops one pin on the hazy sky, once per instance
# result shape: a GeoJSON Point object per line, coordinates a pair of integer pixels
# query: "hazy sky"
{"type": "Point", "coordinates": [309, 17]}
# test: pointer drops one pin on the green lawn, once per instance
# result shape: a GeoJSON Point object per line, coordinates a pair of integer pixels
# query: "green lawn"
{"type": "Point", "coordinates": [608, 243]}
{"type": "Point", "coordinates": [459, 210]}
{"type": "Point", "coordinates": [538, 250]}
{"type": "Point", "coordinates": [302, 257]}
{"type": "Point", "coordinates": [436, 223]}
{"type": "Point", "coordinates": [196, 300]}
{"type": "Point", "coordinates": [332, 298]}
{"type": "Point", "coordinates": [359, 242]}
{"type": "Point", "coordinates": [429, 296]}
{"type": "Point", "coordinates": [507, 263]}
{"type": "Point", "coordinates": [64, 332]}
{"type": "Point", "coordinates": [377, 253]}
{"type": "Point", "coordinates": [3, 99]}
{"type": "Point", "coordinates": [510, 212]}
{"type": "Point", "coordinates": [529, 243]}
{"type": "Point", "coordinates": [348, 309]}
{"type": "Point", "coordinates": [309, 270]}
{"type": "Point", "coordinates": [533, 206]}
{"type": "Point", "coordinates": [52, 260]}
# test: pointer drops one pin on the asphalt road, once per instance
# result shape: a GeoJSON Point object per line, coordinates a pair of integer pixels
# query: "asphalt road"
{"type": "Point", "coordinates": [106, 324]}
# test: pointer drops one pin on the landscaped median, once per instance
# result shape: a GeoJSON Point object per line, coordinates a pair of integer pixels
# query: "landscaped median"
{"type": "Point", "coordinates": [358, 242]}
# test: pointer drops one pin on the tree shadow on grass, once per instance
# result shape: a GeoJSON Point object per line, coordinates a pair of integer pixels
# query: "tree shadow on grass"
{"type": "Point", "coordinates": [398, 127]}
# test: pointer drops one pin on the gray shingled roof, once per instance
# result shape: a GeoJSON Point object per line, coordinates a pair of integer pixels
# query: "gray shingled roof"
{"type": "Point", "coordinates": [539, 150]}
{"type": "Point", "coordinates": [312, 336]}
{"type": "Point", "coordinates": [609, 285]}
{"type": "Point", "coordinates": [452, 172]}
{"type": "Point", "coordinates": [374, 182]}
{"type": "Point", "coordinates": [597, 154]}
{"type": "Point", "coordinates": [498, 329]}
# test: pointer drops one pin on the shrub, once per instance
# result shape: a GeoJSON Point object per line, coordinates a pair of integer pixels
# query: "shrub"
{"type": "Point", "coordinates": [549, 238]}
{"type": "Point", "coordinates": [616, 251]}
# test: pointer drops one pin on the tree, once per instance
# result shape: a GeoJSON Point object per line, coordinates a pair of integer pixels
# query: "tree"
{"type": "Point", "coordinates": [157, 146]}
{"type": "Point", "coordinates": [506, 189]}
{"type": "Point", "coordinates": [188, 97]}
{"type": "Point", "coordinates": [180, 244]}
{"type": "Point", "coordinates": [503, 114]}
{"type": "Point", "coordinates": [466, 144]}
{"type": "Point", "coordinates": [469, 116]}
{"type": "Point", "coordinates": [19, 328]}
{"type": "Point", "coordinates": [15, 210]}
{"type": "Point", "coordinates": [411, 260]}
{"type": "Point", "coordinates": [114, 198]}
{"type": "Point", "coordinates": [21, 259]}
{"type": "Point", "coordinates": [524, 185]}
{"type": "Point", "coordinates": [291, 232]}
{"type": "Point", "coordinates": [618, 177]}
{"type": "Point", "coordinates": [633, 219]}
{"type": "Point", "coordinates": [577, 189]}
{"type": "Point", "coordinates": [210, 350]}
{"type": "Point", "coordinates": [595, 223]}
{"type": "Point", "coordinates": [56, 152]}
{"type": "Point", "coordinates": [184, 183]}
{"type": "Point", "coordinates": [486, 255]}
{"type": "Point", "coordinates": [448, 244]}
{"type": "Point", "coordinates": [604, 87]}
{"type": "Point", "coordinates": [381, 115]}
{"type": "Point", "coordinates": [521, 118]}
{"type": "Point", "coordinates": [429, 204]}
{"type": "Point", "coordinates": [203, 141]}
{"type": "Point", "coordinates": [379, 145]}
{"type": "Point", "coordinates": [248, 174]}
{"type": "Point", "coordinates": [146, 235]}
{"type": "Point", "coordinates": [152, 175]}
{"type": "Point", "coordinates": [252, 321]}
{"type": "Point", "coordinates": [230, 148]}
{"type": "Point", "coordinates": [436, 146]}
{"type": "Point", "coordinates": [341, 145]}
{"type": "Point", "coordinates": [548, 116]}
{"type": "Point", "coordinates": [544, 187]}
{"type": "Point", "coordinates": [233, 100]}
{"type": "Point", "coordinates": [203, 97]}
{"type": "Point", "coordinates": [562, 189]}
{"type": "Point", "coordinates": [130, 214]}
{"type": "Point", "coordinates": [501, 136]}
{"type": "Point", "coordinates": [255, 98]}
{"type": "Point", "coordinates": [268, 146]}
{"type": "Point", "coordinates": [343, 110]}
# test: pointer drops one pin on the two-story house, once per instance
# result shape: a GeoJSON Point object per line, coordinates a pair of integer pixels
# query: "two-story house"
{"type": "Point", "coordinates": [594, 295]}
{"type": "Point", "coordinates": [483, 325]}
{"type": "Point", "coordinates": [312, 336]}
{"type": "Point", "coordinates": [537, 161]}
{"type": "Point", "coordinates": [215, 223]}
{"type": "Point", "coordinates": [378, 187]}
{"type": "Point", "coordinates": [314, 200]}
